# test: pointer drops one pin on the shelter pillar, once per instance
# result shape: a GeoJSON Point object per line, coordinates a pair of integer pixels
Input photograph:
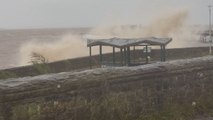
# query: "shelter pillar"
{"type": "Point", "coordinates": [101, 57]}
{"type": "Point", "coordinates": [121, 51]}
{"type": "Point", "coordinates": [128, 56]}
{"type": "Point", "coordinates": [90, 57]}
{"type": "Point", "coordinates": [161, 53]}
{"type": "Point", "coordinates": [164, 53]}
{"type": "Point", "coordinates": [113, 57]}
{"type": "Point", "coordinates": [133, 54]}
{"type": "Point", "coordinates": [147, 61]}
{"type": "Point", "coordinates": [125, 61]}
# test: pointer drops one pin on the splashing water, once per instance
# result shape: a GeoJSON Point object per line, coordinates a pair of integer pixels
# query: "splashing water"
{"type": "Point", "coordinates": [71, 46]}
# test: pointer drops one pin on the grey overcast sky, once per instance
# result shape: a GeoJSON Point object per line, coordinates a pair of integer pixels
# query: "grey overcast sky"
{"type": "Point", "coordinates": [84, 13]}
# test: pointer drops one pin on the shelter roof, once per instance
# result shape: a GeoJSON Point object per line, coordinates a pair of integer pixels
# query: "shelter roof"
{"type": "Point", "coordinates": [125, 42]}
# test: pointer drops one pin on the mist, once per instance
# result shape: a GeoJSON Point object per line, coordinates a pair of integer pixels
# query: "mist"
{"type": "Point", "coordinates": [161, 27]}
{"type": "Point", "coordinates": [69, 46]}
{"type": "Point", "coordinates": [72, 46]}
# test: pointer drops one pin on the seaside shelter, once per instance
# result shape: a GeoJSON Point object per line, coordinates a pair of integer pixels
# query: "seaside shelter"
{"type": "Point", "coordinates": [125, 45]}
{"type": "Point", "coordinates": [205, 36]}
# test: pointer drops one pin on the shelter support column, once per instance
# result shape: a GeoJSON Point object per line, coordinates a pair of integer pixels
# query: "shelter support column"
{"type": "Point", "coordinates": [147, 61]}
{"type": "Point", "coordinates": [125, 61]}
{"type": "Point", "coordinates": [113, 57]}
{"type": "Point", "coordinates": [121, 51]}
{"type": "Point", "coordinates": [90, 57]}
{"type": "Point", "coordinates": [128, 56]}
{"type": "Point", "coordinates": [133, 54]}
{"type": "Point", "coordinates": [163, 53]}
{"type": "Point", "coordinates": [101, 57]}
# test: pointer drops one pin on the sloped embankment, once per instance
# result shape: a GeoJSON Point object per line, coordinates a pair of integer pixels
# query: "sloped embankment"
{"type": "Point", "coordinates": [175, 89]}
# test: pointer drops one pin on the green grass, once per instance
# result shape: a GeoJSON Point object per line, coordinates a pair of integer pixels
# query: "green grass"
{"type": "Point", "coordinates": [6, 74]}
{"type": "Point", "coordinates": [112, 106]}
{"type": "Point", "coordinates": [41, 68]}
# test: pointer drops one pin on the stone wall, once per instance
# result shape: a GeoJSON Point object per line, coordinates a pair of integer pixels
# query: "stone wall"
{"type": "Point", "coordinates": [84, 62]}
{"type": "Point", "coordinates": [180, 89]}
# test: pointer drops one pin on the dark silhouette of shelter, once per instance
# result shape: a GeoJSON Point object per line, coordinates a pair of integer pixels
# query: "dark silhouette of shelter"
{"type": "Point", "coordinates": [124, 45]}
{"type": "Point", "coordinates": [205, 36]}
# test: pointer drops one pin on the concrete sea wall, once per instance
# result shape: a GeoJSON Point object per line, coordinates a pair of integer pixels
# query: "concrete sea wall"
{"type": "Point", "coordinates": [179, 89]}
{"type": "Point", "coordinates": [84, 62]}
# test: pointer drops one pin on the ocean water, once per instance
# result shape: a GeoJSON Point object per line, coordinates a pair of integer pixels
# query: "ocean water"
{"type": "Point", "coordinates": [11, 41]}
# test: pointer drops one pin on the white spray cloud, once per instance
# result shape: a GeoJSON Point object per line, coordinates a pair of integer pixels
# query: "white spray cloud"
{"type": "Point", "coordinates": [162, 27]}
{"type": "Point", "coordinates": [71, 46]}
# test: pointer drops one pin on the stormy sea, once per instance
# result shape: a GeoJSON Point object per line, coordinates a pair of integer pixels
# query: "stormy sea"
{"type": "Point", "coordinates": [12, 41]}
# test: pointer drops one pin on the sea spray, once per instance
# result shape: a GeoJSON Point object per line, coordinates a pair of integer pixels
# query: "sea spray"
{"type": "Point", "coordinates": [161, 27]}
{"type": "Point", "coordinates": [165, 25]}
{"type": "Point", "coordinates": [71, 46]}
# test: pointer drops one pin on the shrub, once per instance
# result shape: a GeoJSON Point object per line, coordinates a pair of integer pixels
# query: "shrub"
{"type": "Point", "coordinates": [40, 63]}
